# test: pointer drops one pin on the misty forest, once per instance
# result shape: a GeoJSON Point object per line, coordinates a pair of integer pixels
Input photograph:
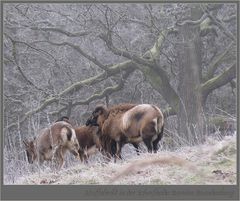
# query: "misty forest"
{"type": "Point", "coordinates": [64, 59]}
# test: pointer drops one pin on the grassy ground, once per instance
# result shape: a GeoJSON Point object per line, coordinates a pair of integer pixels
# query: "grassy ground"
{"type": "Point", "coordinates": [211, 163]}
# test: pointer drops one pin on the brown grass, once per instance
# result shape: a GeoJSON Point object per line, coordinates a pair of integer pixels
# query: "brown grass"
{"type": "Point", "coordinates": [211, 163]}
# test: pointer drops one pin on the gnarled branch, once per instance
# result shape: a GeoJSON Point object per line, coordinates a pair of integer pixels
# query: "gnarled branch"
{"type": "Point", "coordinates": [218, 81]}
{"type": "Point", "coordinates": [123, 53]}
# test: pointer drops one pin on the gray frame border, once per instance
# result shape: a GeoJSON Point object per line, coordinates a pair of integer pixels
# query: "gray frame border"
{"type": "Point", "coordinates": [119, 192]}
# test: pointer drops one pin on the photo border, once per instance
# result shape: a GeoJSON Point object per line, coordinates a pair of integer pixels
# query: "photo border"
{"type": "Point", "coordinates": [118, 192]}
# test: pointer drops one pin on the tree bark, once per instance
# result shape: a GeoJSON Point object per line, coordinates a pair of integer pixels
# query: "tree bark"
{"type": "Point", "coordinates": [190, 115]}
{"type": "Point", "coordinates": [160, 82]}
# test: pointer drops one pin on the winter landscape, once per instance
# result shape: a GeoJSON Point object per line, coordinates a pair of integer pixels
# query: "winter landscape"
{"type": "Point", "coordinates": [153, 84]}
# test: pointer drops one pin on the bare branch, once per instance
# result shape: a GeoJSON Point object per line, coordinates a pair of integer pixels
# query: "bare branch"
{"type": "Point", "coordinates": [106, 92]}
{"type": "Point", "coordinates": [218, 81]}
{"type": "Point", "coordinates": [28, 45]}
{"type": "Point", "coordinates": [66, 16]}
{"type": "Point", "coordinates": [115, 69]}
{"type": "Point", "coordinates": [150, 54]}
{"type": "Point", "coordinates": [123, 53]}
{"type": "Point", "coordinates": [215, 63]}
{"type": "Point", "coordinates": [17, 101]}
{"type": "Point", "coordinates": [79, 50]}
{"type": "Point", "coordinates": [220, 25]}
{"type": "Point", "coordinates": [58, 30]}
{"type": "Point", "coordinates": [191, 22]}
{"type": "Point", "coordinates": [151, 69]}
{"type": "Point", "coordinates": [230, 18]}
{"type": "Point", "coordinates": [136, 21]}
{"type": "Point", "coordinates": [20, 69]}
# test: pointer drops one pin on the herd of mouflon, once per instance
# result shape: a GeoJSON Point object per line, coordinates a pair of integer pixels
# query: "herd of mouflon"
{"type": "Point", "coordinates": [106, 130]}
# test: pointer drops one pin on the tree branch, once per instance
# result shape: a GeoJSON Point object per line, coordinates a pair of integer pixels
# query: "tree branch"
{"type": "Point", "coordinates": [106, 92]}
{"type": "Point", "coordinates": [150, 54]}
{"type": "Point", "coordinates": [107, 39]}
{"type": "Point", "coordinates": [109, 71]}
{"type": "Point", "coordinates": [58, 30]}
{"type": "Point", "coordinates": [191, 22]}
{"type": "Point", "coordinates": [154, 52]}
{"type": "Point", "coordinates": [136, 21]}
{"type": "Point", "coordinates": [230, 18]}
{"type": "Point", "coordinates": [14, 52]}
{"type": "Point", "coordinates": [28, 45]}
{"type": "Point", "coordinates": [79, 50]}
{"type": "Point", "coordinates": [218, 81]}
{"type": "Point", "coordinates": [159, 80]}
{"type": "Point", "coordinates": [115, 69]}
{"type": "Point", "coordinates": [215, 63]}
{"type": "Point", "coordinates": [219, 23]}
{"type": "Point", "coordinates": [156, 75]}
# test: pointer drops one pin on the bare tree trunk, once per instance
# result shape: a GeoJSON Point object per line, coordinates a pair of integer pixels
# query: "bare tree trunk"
{"type": "Point", "coordinates": [190, 115]}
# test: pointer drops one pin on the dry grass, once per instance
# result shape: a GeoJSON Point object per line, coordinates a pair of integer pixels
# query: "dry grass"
{"type": "Point", "coordinates": [211, 163]}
